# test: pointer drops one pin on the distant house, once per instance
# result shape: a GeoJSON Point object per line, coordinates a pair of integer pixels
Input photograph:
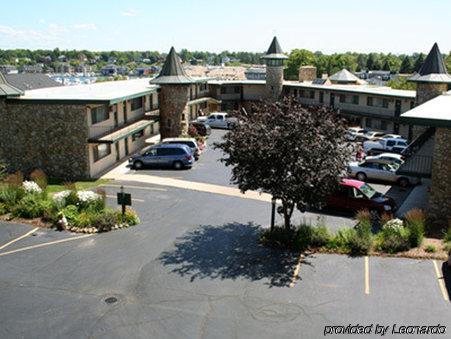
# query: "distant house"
{"type": "Point", "coordinates": [38, 68]}
{"type": "Point", "coordinates": [62, 58]}
{"type": "Point", "coordinates": [255, 73]}
{"type": "Point", "coordinates": [64, 67]}
{"type": "Point", "coordinates": [111, 69]}
{"type": "Point", "coordinates": [140, 71]}
{"type": "Point", "coordinates": [8, 69]}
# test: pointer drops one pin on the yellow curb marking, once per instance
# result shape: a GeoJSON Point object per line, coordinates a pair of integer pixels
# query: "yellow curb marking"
{"type": "Point", "coordinates": [196, 186]}
{"type": "Point", "coordinates": [367, 276]}
{"type": "Point", "coordinates": [45, 244]}
{"type": "Point", "coordinates": [440, 280]}
{"type": "Point", "coordinates": [18, 238]}
{"type": "Point", "coordinates": [296, 271]}
{"type": "Point", "coordinates": [133, 199]}
{"type": "Point", "coordinates": [139, 187]}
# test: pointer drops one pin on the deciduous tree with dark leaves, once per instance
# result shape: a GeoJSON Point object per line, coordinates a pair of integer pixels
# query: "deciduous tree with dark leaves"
{"type": "Point", "coordinates": [295, 153]}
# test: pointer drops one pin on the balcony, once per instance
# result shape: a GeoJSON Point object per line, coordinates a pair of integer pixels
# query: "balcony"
{"type": "Point", "coordinates": [111, 134]}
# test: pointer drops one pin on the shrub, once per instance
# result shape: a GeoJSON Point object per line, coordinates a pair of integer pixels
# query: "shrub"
{"type": "Point", "coordinates": [430, 248]}
{"type": "Point", "coordinates": [361, 240]}
{"type": "Point", "coordinates": [393, 237]}
{"type": "Point", "coordinates": [14, 180]}
{"type": "Point", "coordinates": [39, 177]}
{"type": "Point", "coordinates": [50, 211]}
{"type": "Point", "coordinates": [10, 195]}
{"type": "Point", "coordinates": [320, 236]}
{"type": "Point", "coordinates": [30, 206]}
{"type": "Point", "coordinates": [70, 212]}
{"type": "Point", "coordinates": [89, 199]}
{"type": "Point", "coordinates": [84, 219]}
{"type": "Point", "coordinates": [30, 187]}
{"type": "Point", "coordinates": [415, 222]}
{"type": "Point", "coordinates": [303, 237]}
{"type": "Point", "coordinates": [447, 236]}
{"type": "Point", "coordinates": [2, 170]}
{"type": "Point", "coordinates": [105, 221]}
{"type": "Point", "coordinates": [130, 217]}
{"type": "Point", "coordinates": [341, 239]}
{"type": "Point", "coordinates": [363, 216]}
{"type": "Point", "coordinates": [3, 209]}
{"type": "Point", "coordinates": [279, 237]}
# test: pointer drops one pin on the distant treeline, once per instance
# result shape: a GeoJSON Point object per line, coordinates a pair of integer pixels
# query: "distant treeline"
{"type": "Point", "coordinates": [298, 57]}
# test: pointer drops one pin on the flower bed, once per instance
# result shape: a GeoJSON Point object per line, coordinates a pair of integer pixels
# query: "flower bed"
{"type": "Point", "coordinates": [72, 210]}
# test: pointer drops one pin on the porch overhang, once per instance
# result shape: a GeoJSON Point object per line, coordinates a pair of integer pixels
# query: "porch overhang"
{"type": "Point", "coordinates": [121, 133]}
{"type": "Point", "coordinates": [202, 100]}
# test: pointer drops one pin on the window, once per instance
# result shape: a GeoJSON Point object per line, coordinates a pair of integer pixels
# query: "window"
{"type": "Point", "coordinates": [412, 104]}
{"type": "Point", "coordinates": [312, 94]}
{"type": "Point", "coordinates": [295, 92]}
{"type": "Point", "coordinates": [355, 99]}
{"type": "Point", "coordinates": [237, 89]}
{"type": "Point", "coordinates": [99, 114]}
{"type": "Point", "coordinates": [101, 151]}
{"type": "Point", "coordinates": [151, 153]}
{"type": "Point", "coordinates": [302, 93]}
{"type": "Point", "coordinates": [391, 143]}
{"type": "Point", "coordinates": [369, 101]}
{"type": "Point", "coordinates": [368, 122]}
{"type": "Point", "coordinates": [385, 103]}
{"type": "Point", "coordinates": [342, 98]}
{"type": "Point", "coordinates": [137, 103]}
{"type": "Point", "coordinates": [169, 151]}
{"type": "Point", "coordinates": [223, 90]}
{"type": "Point", "coordinates": [383, 125]}
{"type": "Point", "coordinates": [219, 117]}
{"type": "Point", "coordinates": [151, 101]}
{"type": "Point", "coordinates": [321, 97]}
{"type": "Point", "coordinates": [138, 135]}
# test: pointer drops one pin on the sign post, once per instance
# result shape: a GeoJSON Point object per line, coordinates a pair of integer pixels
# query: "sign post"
{"type": "Point", "coordinates": [124, 199]}
{"type": "Point", "coordinates": [273, 212]}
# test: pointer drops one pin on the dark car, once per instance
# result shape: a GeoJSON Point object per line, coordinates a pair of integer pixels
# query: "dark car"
{"type": "Point", "coordinates": [177, 156]}
{"type": "Point", "coordinates": [354, 195]}
{"type": "Point", "coordinates": [202, 128]}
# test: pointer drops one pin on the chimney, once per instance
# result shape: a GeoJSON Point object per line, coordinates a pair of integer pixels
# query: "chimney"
{"type": "Point", "coordinates": [307, 73]}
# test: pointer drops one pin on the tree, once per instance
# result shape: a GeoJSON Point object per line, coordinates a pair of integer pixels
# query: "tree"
{"type": "Point", "coordinates": [448, 62]}
{"type": "Point", "coordinates": [298, 58]}
{"type": "Point", "coordinates": [370, 62]}
{"type": "Point", "coordinates": [418, 62]}
{"type": "Point", "coordinates": [401, 83]}
{"type": "Point", "coordinates": [406, 65]}
{"type": "Point", "coordinates": [386, 66]}
{"type": "Point", "coordinates": [294, 153]}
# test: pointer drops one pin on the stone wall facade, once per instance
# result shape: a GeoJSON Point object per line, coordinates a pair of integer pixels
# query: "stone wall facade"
{"type": "Point", "coordinates": [51, 137]}
{"type": "Point", "coordinates": [173, 100]}
{"type": "Point", "coordinates": [307, 73]}
{"type": "Point", "coordinates": [274, 82]}
{"type": "Point", "coordinates": [427, 91]}
{"type": "Point", "coordinates": [439, 210]}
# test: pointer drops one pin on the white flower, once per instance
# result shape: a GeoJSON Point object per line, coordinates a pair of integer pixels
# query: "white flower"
{"type": "Point", "coordinates": [394, 224]}
{"type": "Point", "coordinates": [60, 196]}
{"type": "Point", "coordinates": [31, 187]}
{"type": "Point", "coordinates": [87, 196]}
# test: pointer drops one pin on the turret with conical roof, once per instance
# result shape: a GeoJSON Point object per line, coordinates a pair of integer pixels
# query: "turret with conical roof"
{"type": "Point", "coordinates": [274, 59]}
{"type": "Point", "coordinates": [173, 96]}
{"type": "Point", "coordinates": [432, 78]}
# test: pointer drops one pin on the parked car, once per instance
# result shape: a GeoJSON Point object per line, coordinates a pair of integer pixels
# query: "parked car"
{"type": "Point", "coordinates": [387, 158]}
{"type": "Point", "coordinates": [394, 150]}
{"type": "Point", "coordinates": [202, 128]}
{"type": "Point", "coordinates": [219, 120]}
{"type": "Point", "coordinates": [373, 134]}
{"type": "Point", "coordinates": [177, 156]}
{"type": "Point", "coordinates": [190, 142]}
{"type": "Point", "coordinates": [379, 171]}
{"type": "Point", "coordinates": [386, 143]}
{"type": "Point", "coordinates": [354, 195]}
{"type": "Point", "coordinates": [392, 136]}
{"type": "Point", "coordinates": [352, 132]}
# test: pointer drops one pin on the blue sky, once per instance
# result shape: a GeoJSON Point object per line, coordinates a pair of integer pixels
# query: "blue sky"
{"type": "Point", "coordinates": [397, 26]}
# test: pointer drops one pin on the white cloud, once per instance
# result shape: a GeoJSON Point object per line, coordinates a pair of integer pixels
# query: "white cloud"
{"type": "Point", "coordinates": [41, 21]}
{"type": "Point", "coordinates": [130, 12]}
{"type": "Point", "coordinates": [88, 27]}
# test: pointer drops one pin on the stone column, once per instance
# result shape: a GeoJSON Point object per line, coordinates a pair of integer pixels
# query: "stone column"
{"type": "Point", "coordinates": [439, 210]}
{"type": "Point", "coordinates": [173, 100]}
{"type": "Point", "coordinates": [274, 82]}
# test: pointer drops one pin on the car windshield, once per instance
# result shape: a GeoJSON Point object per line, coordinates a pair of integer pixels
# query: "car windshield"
{"type": "Point", "coordinates": [368, 191]}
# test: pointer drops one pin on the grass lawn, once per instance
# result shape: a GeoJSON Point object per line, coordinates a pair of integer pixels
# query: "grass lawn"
{"type": "Point", "coordinates": [57, 186]}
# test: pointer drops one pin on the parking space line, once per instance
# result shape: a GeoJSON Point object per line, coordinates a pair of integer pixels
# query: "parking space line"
{"type": "Point", "coordinates": [367, 275]}
{"type": "Point", "coordinates": [296, 271]}
{"type": "Point", "coordinates": [19, 238]}
{"type": "Point", "coordinates": [133, 199]}
{"type": "Point", "coordinates": [441, 282]}
{"type": "Point", "coordinates": [138, 187]}
{"type": "Point", "coordinates": [45, 244]}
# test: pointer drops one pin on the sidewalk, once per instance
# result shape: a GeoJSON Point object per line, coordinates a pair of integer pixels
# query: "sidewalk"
{"type": "Point", "coordinates": [418, 198]}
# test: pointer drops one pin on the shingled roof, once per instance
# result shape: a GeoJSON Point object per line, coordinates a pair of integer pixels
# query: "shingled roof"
{"type": "Point", "coordinates": [433, 68]}
{"type": "Point", "coordinates": [344, 76]}
{"type": "Point", "coordinates": [29, 81]}
{"type": "Point", "coordinates": [172, 71]}
{"type": "Point", "coordinates": [274, 51]}
{"type": "Point", "coordinates": [7, 89]}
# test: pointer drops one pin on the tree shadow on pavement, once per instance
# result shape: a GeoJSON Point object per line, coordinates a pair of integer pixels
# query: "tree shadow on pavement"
{"type": "Point", "coordinates": [230, 251]}
{"type": "Point", "coordinates": [446, 273]}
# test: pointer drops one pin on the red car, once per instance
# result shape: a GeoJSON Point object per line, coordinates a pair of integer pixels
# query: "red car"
{"type": "Point", "coordinates": [354, 195]}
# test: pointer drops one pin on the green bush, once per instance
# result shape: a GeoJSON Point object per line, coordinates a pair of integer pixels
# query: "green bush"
{"type": "Point", "coordinates": [30, 206]}
{"type": "Point", "coordinates": [105, 221]}
{"type": "Point", "coordinates": [279, 237]}
{"type": "Point", "coordinates": [393, 237]}
{"type": "Point", "coordinates": [415, 221]}
{"type": "Point", "coordinates": [447, 236]}
{"type": "Point", "coordinates": [430, 248]}
{"type": "Point", "coordinates": [303, 237]}
{"type": "Point", "coordinates": [70, 212]}
{"type": "Point", "coordinates": [50, 211]}
{"type": "Point", "coordinates": [84, 219]}
{"type": "Point", "coordinates": [2, 170]}
{"type": "Point", "coordinates": [10, 195]}
{"type": "Point", "coordinates": [361, 241]}
{"type": "Point", "coordinates": [130, 218]}
{"type": "Point", "coordinates": [341, 239]}
{"type": "Point", "coordinates": [320, 236]}
{"type": "Point", "coordinates": [3, 209]}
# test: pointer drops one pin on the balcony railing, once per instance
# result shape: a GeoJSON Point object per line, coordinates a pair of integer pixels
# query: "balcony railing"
{"type": "Point", "coordinates": [98, 132]}
{"type": "Point", "coordinates": [417, 165]}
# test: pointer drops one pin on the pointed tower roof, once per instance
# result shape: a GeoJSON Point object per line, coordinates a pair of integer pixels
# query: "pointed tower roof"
{"type": "Point", "coordinates": [274, 51]}
{"type": "Point", "coordinates": [6, 89]}
{"type": "Point", "coordinates": [433, 68]}
{"type": "Point", "coordinates": [172, 71]}
{"type": "Point", "coordinates": [344, 76]}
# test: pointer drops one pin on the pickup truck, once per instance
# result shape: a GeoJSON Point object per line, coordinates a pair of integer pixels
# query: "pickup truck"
{"type": "Point", "coordinates": [219, 120]}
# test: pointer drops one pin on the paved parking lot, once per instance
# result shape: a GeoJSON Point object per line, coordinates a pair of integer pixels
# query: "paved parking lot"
{"type": "Point", "coordinates": [193, 269]}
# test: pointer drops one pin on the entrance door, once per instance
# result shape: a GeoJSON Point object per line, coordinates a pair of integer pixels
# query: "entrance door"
{"type": "Point", "coordinates": [332, 100]}
{"type": "Point", "coordinates": [126, 145]}
{"type": "Point", "coordinates": [397, 108]}
{"type": "Point", "coordinates": [118, 156]}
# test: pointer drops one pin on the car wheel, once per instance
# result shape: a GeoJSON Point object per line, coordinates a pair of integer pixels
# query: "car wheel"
{"type": "Point", "coordinates": [178, 165]}
{"type": "Point", "coordinates": [138, 165]}
{"type": "Point", "coordinates": [403, 182]}
{"type": "Point", "coordinates": [361, 176]}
